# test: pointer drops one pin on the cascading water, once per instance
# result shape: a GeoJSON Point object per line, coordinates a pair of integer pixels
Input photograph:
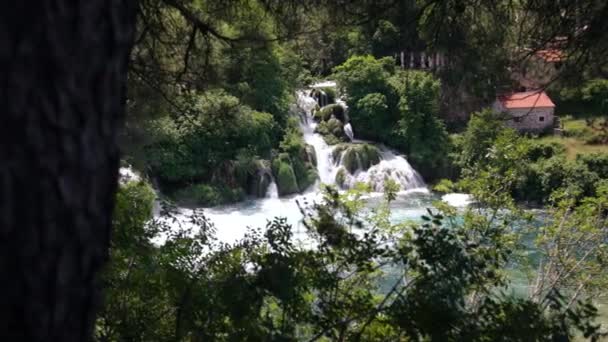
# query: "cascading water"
{"type": "Point", "coordinates": [325, 166]}
{"type": "Point", "coordinates": [272, 191]}
{"type": "Point", "coordinates": [391, 165]}
{"type": "Point", "coordinates": [348, 130]}
{"type": "Point", "coordinates": [232, 220]}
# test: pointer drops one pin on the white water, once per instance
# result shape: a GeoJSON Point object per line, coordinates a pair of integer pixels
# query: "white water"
{"type": "Point", "coordinates": [272, 191]}
{"type": "Point", "coordinates": [392, 167]}
{"type": "Point", "coordinates": [457, 200]}
{"type": "Point", "coordinates": [127, 174]}
{"type": "Point", "coordinates": [232, 220]}
{"type": "Point", "coordinates": [348, 129]}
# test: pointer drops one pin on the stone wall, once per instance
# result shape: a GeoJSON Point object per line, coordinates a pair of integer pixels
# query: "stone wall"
{"type": "Point", "coordinates": [527, 119]}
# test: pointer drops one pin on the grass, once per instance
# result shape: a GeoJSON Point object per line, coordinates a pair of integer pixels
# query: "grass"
{"type": "Point", "coordinates": [576, 144]}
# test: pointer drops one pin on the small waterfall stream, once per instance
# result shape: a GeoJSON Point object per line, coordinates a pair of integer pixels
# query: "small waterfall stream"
{"type": "Point", "coordinates": [272, 191]}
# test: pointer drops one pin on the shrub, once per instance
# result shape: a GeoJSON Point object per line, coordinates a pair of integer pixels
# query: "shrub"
{"type": "Point", "coordinates": [208, 195]}
{"type": "Point", "coordinates": [544, 150]}
{"type": "Point", "coordinates": [595, 162]}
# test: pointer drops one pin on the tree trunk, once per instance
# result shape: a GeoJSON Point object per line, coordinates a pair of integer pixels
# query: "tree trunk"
{"type": "Point", "coordinates": [63, 68]}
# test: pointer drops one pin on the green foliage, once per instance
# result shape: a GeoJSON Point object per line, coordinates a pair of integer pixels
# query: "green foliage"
{"type": "Point", "coordinates": [535, 172]}
{"type": "Point", "coordinates": [329, 111]}
{"type": "Point", "coordinates": [544, 150]}
{"type": "Point", "coordinates": [595, 162]}
{"type": "Point", "coordinates": [482, 131]}
{"type": "Point", "coordinates": [443, 282]}
{"type": "Point", "coordinates": [360, 77]}
{"type": "Point", "coordinates": [444, 186]}
{"type": "Point", "coordinates": [297, 158]}
{"type": "Point", "coordinates": [385, 39]}
{"type": "Point", "coordinates": [215, 142]}
{"type": "Point", "coordinates": [595, 93]}
{"type": "Point", "coordinates": [400, 109]}
{"type": "Point", "coordinates": [206, 195]}
{"type": "Point", "coordinates": [420, 133]}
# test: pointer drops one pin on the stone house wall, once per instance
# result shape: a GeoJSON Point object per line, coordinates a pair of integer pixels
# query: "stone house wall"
{"type": "Point", "coordinates": [527, 119]}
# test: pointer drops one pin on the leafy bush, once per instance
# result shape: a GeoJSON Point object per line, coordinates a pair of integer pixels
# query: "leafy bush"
{"type": "Point", "coordinates": [217, 129]}
{"type": "Point", "coordinates": [208, 195]}
{"type": "Point", "coordinates": [482, 131]}
{"type": "Point", "coordinates": [544, 150]}
{"type": "Point", "coordinates": [596, 162]}
{"type": "Point", "coordinates": [398, 108]}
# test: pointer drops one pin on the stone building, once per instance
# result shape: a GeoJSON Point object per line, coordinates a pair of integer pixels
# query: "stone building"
{"type": "Point", "coordinates": [530, 111]}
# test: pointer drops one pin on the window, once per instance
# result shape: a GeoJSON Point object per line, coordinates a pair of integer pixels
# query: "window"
{"type": "Point", "coordinates": [541, 118]}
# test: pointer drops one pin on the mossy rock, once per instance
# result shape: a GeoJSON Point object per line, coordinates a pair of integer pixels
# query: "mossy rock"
{"type": "Point", "coordinates": [341, 177]}
{"type": "Point", "coordinates": [310, 155]}
{"type": "Point", "coordinates": [311, 177]}
{"type": "Point", "coordinates": [284, 174]}
{"type": "Point", "coordinates": [323, 96]}
{"type": "Point", "coordinates": [286, 179]}
{"type": "Point", "coordinates": [332, 131]}
{"type": "Point", "coordinates": [357, 156]}
{"type": "Point", "coordinates": [258, 181]}
{"type": "Point", "coordinates": [330, 92]}
{"type": "Point", "coordinates": [327, 112]}
{"type": "Point", "coordinates": [258, 184]}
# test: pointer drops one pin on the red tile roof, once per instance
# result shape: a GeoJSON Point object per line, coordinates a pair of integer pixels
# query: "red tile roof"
{"type": "Point", "coordinates": [528, 99]}
{"type": "Point", "coordinates": [551, 55]}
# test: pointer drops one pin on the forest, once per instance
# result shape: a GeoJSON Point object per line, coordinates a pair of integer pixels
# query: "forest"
{"type": "Point", "coordinates": [261, 170]}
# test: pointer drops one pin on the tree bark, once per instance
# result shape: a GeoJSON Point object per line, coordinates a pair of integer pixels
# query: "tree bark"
{"type": "Point", "coordinates": [63, 69]}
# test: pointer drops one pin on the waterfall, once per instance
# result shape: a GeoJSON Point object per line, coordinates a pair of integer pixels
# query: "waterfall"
{"type": "Point", "coordinates": [391, 166]}
{"type": "Point", "coordinates": [348, 130]}
{"type": "Point", "coordinates": [325, 166]}
{"type": "Point", "coordinates": [273, 190]}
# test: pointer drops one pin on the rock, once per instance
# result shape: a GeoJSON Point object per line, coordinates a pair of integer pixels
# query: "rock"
{"type": "Point", "coordinates": [341, 177]}
{"type": "Point", "coordinates": [310, 155]}
{"type": "Point", "coordinates": [332, 131]}
{"type": "Point", "coordinates": [285, 178]}
{"type": "Point", "coordinates": [327, 112]}
{"type": "Point", "coordinates": [323, 96]}
{"type": "Point", "coordinates": [357, 156]}
{"type": "Point", "coordinates": [310, 178]}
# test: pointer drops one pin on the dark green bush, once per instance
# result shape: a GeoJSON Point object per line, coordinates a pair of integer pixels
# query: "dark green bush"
{"type": "Point", "coordinates": [208, 195]}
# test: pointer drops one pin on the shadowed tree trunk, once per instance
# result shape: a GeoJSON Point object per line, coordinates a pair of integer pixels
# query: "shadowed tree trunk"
{"type": "Point", "coordinates": [63, 68]}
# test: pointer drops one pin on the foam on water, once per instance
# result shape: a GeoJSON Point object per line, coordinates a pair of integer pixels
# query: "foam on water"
{"type": "Point", "coordinates": [457, 199]}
